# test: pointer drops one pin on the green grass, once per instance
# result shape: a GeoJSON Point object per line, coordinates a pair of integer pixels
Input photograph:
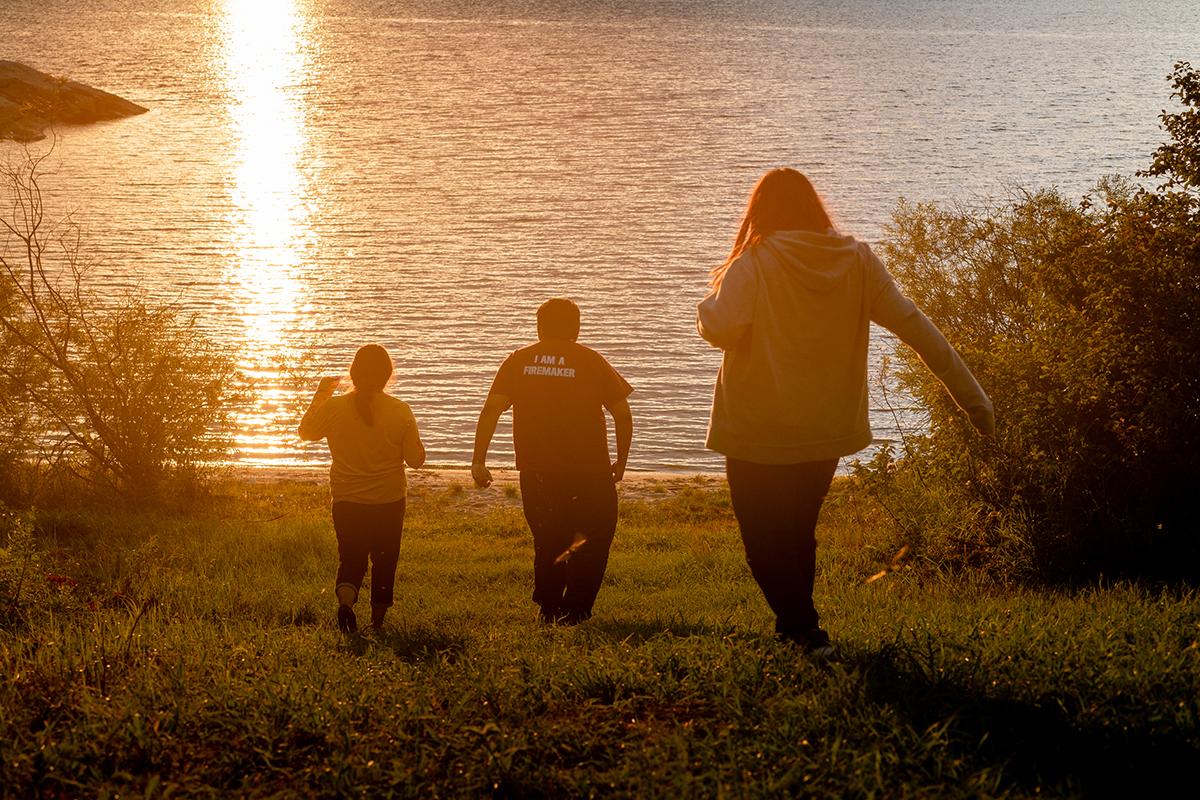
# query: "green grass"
{"type": "Point", "coordinates": [198, 655]}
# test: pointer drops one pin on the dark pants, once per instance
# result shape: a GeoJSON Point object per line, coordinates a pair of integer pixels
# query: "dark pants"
{"type": "Point", "coordinates": [776, 506]}
{"type": "Point", "coordinates": [369, 532]}
{"type": "Point", "coordinates": [560, 507]}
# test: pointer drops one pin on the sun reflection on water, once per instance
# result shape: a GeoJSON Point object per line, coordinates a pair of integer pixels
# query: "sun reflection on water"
{"type": "Point", "coordinates": [266, 50]}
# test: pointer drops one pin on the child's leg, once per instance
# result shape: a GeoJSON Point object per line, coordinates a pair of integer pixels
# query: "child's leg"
{"type": "Point", "coordinates": [386, 530]}
{"type": "Point", "coordinates": [353, 549]}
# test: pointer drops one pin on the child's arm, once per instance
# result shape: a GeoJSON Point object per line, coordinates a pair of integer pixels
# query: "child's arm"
{"type": "Point", "coordinates": [312, 424]}
{"type": "Point", "coordinates": [412, 446]}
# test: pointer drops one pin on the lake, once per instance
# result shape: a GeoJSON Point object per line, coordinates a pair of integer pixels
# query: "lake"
{"type": "Point", "coordinates": [317, 174]}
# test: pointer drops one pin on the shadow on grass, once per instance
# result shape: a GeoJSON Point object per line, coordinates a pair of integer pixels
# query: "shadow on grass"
{"type": "Point", "coordinates": [306, 616]}
{"type": "Point", "coordinates": [637, 631]}
{"type": "Point", "coordinates": [420, 643]}
{"type": "Point", "coordinates": [1040, 743]}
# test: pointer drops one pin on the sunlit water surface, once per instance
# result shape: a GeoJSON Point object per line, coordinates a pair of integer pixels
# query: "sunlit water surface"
{"type": "Point", "coordinates": [317, 174]}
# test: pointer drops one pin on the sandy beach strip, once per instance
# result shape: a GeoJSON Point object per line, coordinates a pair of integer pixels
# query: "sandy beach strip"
{"type": "Point", "coordinates": [636, 485]}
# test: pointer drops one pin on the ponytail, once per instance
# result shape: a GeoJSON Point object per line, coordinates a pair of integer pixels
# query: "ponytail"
{"type": "Point", "coordinates": [362, 402]}
{"type": "Point", "coordinates": [370, 371]}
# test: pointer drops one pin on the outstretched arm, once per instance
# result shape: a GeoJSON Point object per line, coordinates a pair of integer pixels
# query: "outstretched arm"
{"type": "Point", "coordinates": [623, 422]}
{"type": "Point", "coordinates": [493, 407]}
{"type": "Point", "coordinates": [891, 309]}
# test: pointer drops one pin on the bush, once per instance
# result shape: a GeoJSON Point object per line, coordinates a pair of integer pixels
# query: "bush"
{"type": "Point", "coordinates": [1080, 320]}
{"type": "Point", "coordinates": [125, 395]}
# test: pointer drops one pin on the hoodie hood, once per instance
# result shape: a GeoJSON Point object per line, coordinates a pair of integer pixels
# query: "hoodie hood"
{"type": "Point", "coordinates": [820, 260]}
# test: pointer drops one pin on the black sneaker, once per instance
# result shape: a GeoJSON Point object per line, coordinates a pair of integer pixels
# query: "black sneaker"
{"type": "Point", "coordinates": [814, 643]}
{"type": "Point", "coordinates": [347, 622]}
{"type": "Point", "coordinates": [574, 617]}
{"type": "Point", "coordinates": [378, 613]}
{"type": "Point", "coordinates": [549, 615]}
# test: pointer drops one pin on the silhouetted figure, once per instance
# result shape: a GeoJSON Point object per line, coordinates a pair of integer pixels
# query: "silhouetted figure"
{"type": "Point", "coordinates": [791, 308]}
{"type": "Point", "coordinates": [371, 436]}
{"type": "Point", "coordinates": [558, 390]}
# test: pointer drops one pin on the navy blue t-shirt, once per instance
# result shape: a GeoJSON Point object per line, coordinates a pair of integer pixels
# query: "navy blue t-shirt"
{"type": "Point", "coordinates": [558, 390]}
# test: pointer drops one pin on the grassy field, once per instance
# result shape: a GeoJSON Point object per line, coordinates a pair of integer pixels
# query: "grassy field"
{"type": "Point", "coordinates": [164, 655]}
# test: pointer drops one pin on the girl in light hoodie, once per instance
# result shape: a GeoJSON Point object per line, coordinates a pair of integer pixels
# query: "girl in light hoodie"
{"type": "Point", "coordinates": [791, 308]}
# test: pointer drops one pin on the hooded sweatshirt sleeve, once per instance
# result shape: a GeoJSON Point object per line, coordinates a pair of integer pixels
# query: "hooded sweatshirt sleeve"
{"type": "Point", "coordinates": [725, 315]}
{"type": "Point", "coordinates": [891, 309]}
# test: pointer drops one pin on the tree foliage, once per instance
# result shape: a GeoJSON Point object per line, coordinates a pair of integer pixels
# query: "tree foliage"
{"type": "Point", "coordinates": [122, 392]}
{"type": "Point", "coordinates": [1080, 320]}
{"type": "Point", "coordinates": [1179, 159]}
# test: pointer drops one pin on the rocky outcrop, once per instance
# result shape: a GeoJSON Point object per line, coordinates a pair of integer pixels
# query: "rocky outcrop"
{"type": "Point", "coordinates": [31, 101]}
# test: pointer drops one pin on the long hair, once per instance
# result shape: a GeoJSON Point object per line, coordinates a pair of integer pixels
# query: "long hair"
{"type": "Point", "coordinates": [782, 200]}
{"type": "Point", "coordinates": [371, 370]}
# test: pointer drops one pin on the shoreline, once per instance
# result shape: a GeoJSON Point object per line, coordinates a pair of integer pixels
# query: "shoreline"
{"type": "Point", "coordinates": [505, 488]}
{"type": "Point", "coordinates": [306, 471]}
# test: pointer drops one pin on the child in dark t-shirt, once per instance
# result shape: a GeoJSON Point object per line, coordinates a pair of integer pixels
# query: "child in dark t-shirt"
{"type": "Point", "coordinates": [558, 391]}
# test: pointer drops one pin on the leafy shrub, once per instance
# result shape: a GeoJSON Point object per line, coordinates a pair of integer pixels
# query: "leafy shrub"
{"type": "Point", "coordinates": [126, 394]}
{"type": "Point", "coordinates": [1080, 320]}
{"type": "Point", "coordinates": [1178, 161]}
